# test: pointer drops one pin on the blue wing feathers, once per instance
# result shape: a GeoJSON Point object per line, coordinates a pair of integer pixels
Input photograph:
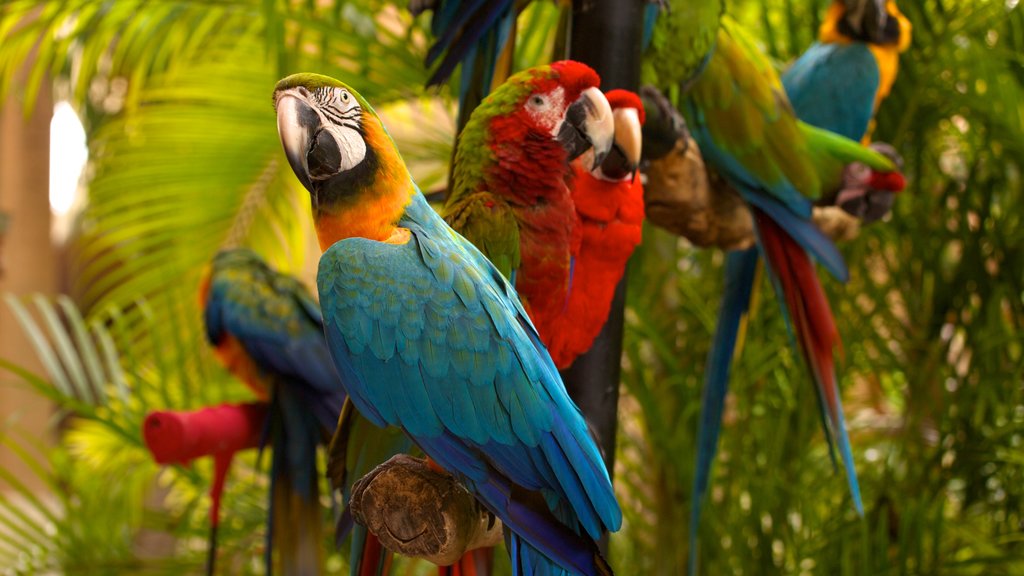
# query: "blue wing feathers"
{"type": "Point", "coordinates": [503, 413]}
{"type": "Point", "coordinates": [806, 234]}
{"type": "Point", "coordinates": [740, 268]}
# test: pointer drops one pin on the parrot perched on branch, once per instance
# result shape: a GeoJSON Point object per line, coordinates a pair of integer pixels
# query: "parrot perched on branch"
{"type": "Point", "coordinates": [267, 330]}
{"type": "Point", "coordinates": [840, 81]}
{"type": "Point", "coordinates": [739, 115]}
{"type": "Point", "coordinates": [358, 446]}
{"type": "Point", "coordinates": [429, 336]}
{"type": "Point", "coordinates": [510, 195]}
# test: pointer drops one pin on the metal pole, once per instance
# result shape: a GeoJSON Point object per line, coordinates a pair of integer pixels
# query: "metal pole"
{"type": "Point", "coordinates": [606, 35]}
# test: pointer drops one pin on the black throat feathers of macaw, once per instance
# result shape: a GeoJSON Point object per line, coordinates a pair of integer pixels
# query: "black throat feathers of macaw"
{"type": "Point", "coordinates": [342, 154]}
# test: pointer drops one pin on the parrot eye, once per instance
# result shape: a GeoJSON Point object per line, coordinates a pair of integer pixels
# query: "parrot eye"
{"type": "Point", "coordinates": [343, 99]}
{"type": "Point", "coordinates": [537, 101]}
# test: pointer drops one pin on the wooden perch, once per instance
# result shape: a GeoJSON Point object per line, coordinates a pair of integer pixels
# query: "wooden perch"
{"type": "Point", "coordinates": [179, 437]}
{"type": "Point", "coordinates": [419, 511]}
{"type": "Point", "coordinates": [682, 196]}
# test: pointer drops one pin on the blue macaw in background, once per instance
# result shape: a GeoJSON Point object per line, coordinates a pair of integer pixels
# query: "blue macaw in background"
{"type": "Point", "coordinates": [429, 337]}
{"type": "Point", "coordinates": [839, 83]}
{"type": "Point", "coordinates": [267, 330]}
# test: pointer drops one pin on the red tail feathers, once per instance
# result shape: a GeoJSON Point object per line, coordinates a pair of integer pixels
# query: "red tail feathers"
{"type": "Point", "coordinates": [375, 560]}
{"type": "Point", "coordinates": [809, 311]}
{"type": "Point", "coordinates": [477, 562]}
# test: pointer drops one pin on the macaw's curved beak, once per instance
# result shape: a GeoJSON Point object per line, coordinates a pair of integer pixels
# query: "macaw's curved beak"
{"type": "Point", "coordinates": [868, 20]}
{"type": "Point", "coordinates": [297, 125]}
{"type": "Point", "coordinates": [588, 124]}
{"type": "Point", "coordinates": [624, 157]}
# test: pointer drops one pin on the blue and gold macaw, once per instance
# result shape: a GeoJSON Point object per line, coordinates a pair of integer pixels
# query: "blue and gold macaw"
{"type": "Point", "coordinates": [739, 115]}
{"type": "Point", "coordinates": [267, 330]}
{"type": "Point", "coordinates": [840, 81]}
{"type": "Point", "coordinates": [429, 337]}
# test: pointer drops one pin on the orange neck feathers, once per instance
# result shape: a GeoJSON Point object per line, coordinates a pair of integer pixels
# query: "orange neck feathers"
{"type": "Point", "coordinates": [370, 209]}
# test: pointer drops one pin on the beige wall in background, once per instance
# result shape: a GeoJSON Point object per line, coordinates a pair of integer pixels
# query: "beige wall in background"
{"type": "Point", "coordinates": [28, 259]}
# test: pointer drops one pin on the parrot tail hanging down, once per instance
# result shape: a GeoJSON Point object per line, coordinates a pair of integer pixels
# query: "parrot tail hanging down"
{"type": "Point", "coordinates": [357, 448]}
{"type": "Point", "coordinates": [479, 36]}
{"type": "Point", "coordinates": [609, 203]}
{"type": "Point", "coordinates": [268, 331]}
{"type": "Point", "coordinates": [430, 338]}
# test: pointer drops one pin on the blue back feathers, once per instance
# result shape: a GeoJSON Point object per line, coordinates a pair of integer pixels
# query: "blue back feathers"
{"type": "Point", "coordinates": [279, 325]}
{"type": "Point", "coordinates": [833, 86]}
{"type": "Point", "coordinates": [431, 338]}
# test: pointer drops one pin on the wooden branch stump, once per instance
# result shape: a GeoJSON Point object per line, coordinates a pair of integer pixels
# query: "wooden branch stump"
{"type": "Point", "coordinates": [418, 511]}
{"type": "Point", "coordinates": [836, 223]}
{"type": "Point", "coordinates": [682, 196]}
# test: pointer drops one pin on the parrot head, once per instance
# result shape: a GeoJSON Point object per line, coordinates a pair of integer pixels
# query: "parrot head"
{"type": "Point", "coordinates": [321, 122]}
{"type": "Point", "coordinates": [342, 154]}
{"type": "Point", "coordinates": [624, 157]}
{"type": "Point", "coordinates": [872, 21]}
{"type": "Point", "coordinates": [558, 103]}
{"type": "Point", "coordinates": [870, 195]}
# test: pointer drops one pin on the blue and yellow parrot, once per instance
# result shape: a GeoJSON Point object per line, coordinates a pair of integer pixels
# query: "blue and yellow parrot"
{"type": "Point", "coordinates": [267, 330]}
{"type": "Point", "coordinates": [840, 81]}
{"type": "Point", "coordinates": [739, 115]}
{"type": "Point", "coordinates": [429, 337]}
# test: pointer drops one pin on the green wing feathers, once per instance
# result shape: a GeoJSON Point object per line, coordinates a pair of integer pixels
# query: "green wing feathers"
{"type": "Point", "coordinates": [489, 224]}
{"type": "Point", "coordinates": [746, 112]}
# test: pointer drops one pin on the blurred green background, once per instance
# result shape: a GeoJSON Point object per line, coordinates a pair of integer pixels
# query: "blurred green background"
{"type": "Point", "coordinates": [174, 98]}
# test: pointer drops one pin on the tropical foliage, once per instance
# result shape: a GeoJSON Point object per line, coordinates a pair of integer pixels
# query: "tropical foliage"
{"type": "Point", "coordinates": [185, 159]}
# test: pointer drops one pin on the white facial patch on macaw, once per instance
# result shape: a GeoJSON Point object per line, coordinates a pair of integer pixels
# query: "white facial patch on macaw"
{"type": "Point", "coordinates": [548, 109]}
{"type": "Point", "coordinates": [340, 115]}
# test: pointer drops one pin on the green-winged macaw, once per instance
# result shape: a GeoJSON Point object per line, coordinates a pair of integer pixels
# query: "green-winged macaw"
{"type": "Point", "coordinates": [510, 194]}
{"type": "Point", "coordinates": [267, 330]}
{"type": "Point", "coordinates": [739, 115]}
{"type": "Point", "coordinates": [429, 336]}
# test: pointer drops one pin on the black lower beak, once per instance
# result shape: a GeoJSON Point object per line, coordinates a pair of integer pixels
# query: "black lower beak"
{"type": "Point", "coordinates": [588, 124]}
{"type": "Point", "coordinates": [571, 135]}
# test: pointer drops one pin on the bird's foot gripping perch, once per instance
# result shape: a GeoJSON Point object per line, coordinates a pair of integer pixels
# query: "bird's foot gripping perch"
{"type": "Point", "coordinates": [418, 511]}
